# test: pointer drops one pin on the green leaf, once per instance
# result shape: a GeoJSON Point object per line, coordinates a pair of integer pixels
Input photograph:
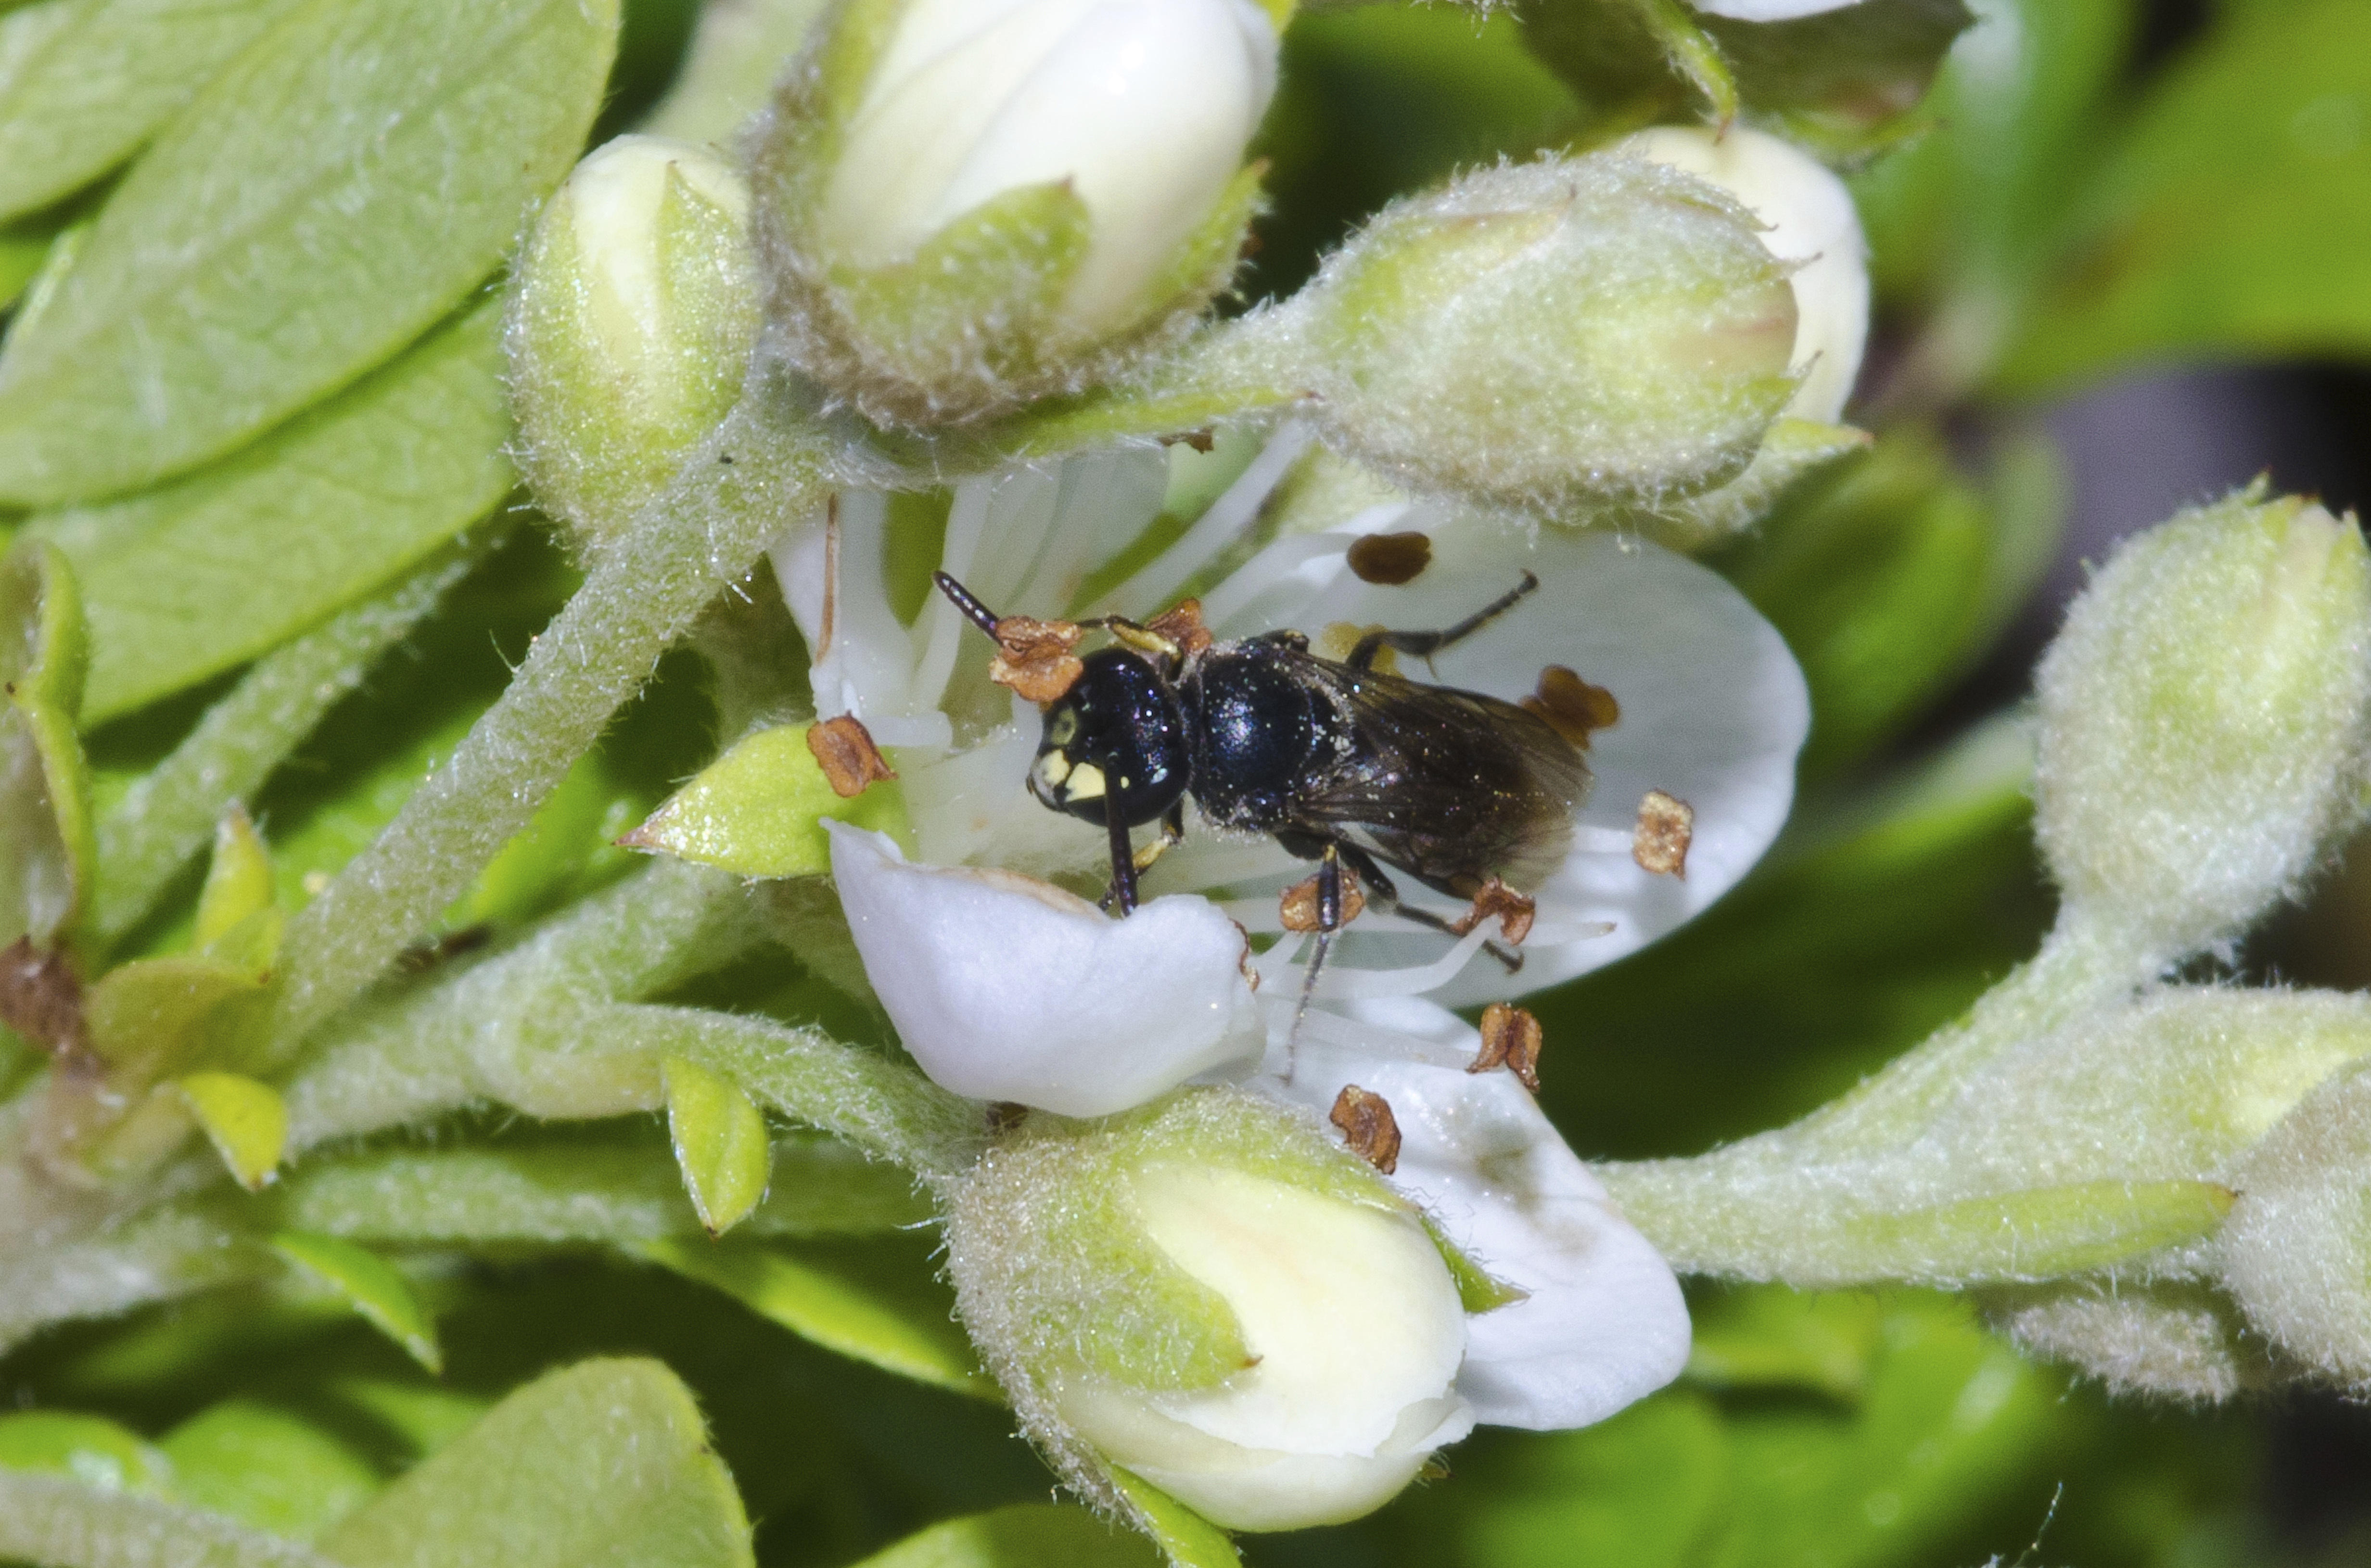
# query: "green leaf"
{"type": "Point", "coordinates": [62, 1523]}
{"type": "Point", "coordinates": [45, 822]}
{"type": "Point", "coordinates": [1844, 81]}
{"type": "Point", "coordinates": [238, 879]}
{"type": "Point", "coordinates": [157, 1017]}
{"type": "Point", "coordinates": [24, 251]}
{"type": "Point", "coordinates": [606, 1462]}
{"type": "Point", "coordinates": [202, 574]}
{"type": "Point", "coordinates": [720, 1143]}
{"type": "Point", "coordinates": [371, 1286]}
{"type": "Point", "coordinates": [89, 1449]}
{"type": "Point", "coordinates": [267, 1466]}
{"type": "Point", "coordinates": [758, 810]}
{"type": "Point", "coordinates": [865, 1302]}
{"type": "Point", "coordinates": [245, 1119]}
{"type": "Point", "coordinates": [83, 83]}
{"type": "Point", "coordinates": [1026, 1534]}
{"type": "Point", "coordinates": [1770, 1337]}
{"type": "Point", "coordinates": [583, 1188]}
{"type": "Point", "coordinates": [2231, 217]}
{"type": "Point", "coordinates": [329, 198]}
{"type": "Point", "coordinates": [1188, 1539]}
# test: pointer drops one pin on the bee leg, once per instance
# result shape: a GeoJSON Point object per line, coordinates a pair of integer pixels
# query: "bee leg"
{"type": "Point", "coordinates": [1384, 895]}
{"type": "Point", "coordinates": [1172, 831]}
{"type": "Point", "coordinates": [1329, 920]}
{"type": "Point", "coordinates": [1425, 644]}
{"type": "Point", "coordinates": [1122, 891]}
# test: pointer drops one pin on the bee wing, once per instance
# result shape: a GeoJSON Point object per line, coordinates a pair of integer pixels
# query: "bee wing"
{"type": "Point", "coordinates": [1450, 785]}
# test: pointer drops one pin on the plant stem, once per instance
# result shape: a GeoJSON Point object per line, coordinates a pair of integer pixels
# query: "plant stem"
{"type": "Point", "coordinates": [755, 471]}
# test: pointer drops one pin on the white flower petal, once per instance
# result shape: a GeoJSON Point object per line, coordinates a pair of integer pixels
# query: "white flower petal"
{"type": "Point", "coordinates": [1003, 987]}
{"type": "Point", "coordinates": [1603, 1324]}
{"type": "Point", "coordinates": [1769, 10]}
{"type": "Point", "coordinates": [1714, 712]}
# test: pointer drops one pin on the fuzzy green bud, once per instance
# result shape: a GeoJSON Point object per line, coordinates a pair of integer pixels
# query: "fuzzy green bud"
{"type": "Point", "coordinates": [1213, 1297]}
{"type": "Point", "coordinates": [966, 204]}
{"type": "Point", "coordinates": [1562, 335]}
{"type": "Point", "coordinates": [2297, 1248]}
{"type": "Point", "coordinates": [2204, 721]}
{"type": "Point", "coordinates": [630, 327]}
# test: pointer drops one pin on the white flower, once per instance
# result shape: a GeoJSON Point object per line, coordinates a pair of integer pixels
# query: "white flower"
{"type": "Point", "coordinates": [1713, 712]}
{"type": "Point", "coordinates": [1143, 107]}
{"type": "Point", "coordinates": [1601, 1323]}
{"type": "Point", "coordinates": [1172, 998]}
{"type": "Point", "coordinates": [1769, 10]}
{"type": "Point", "coordinates": [1358, 1334]}
{"type": "Point", "coordinates": [1812, 221]}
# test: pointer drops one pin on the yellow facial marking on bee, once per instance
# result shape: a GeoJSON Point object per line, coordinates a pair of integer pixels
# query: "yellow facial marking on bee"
{"type": "Point", "coordinates": [1085, 782]}
{"type": "Point", "coordinates": [1065, 728]}
{"type": "Point", "coordinates": [1052, 769]}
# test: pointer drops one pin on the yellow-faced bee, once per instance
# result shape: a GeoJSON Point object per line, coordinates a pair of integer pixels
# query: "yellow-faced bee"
{"type": "Point", "coordinates": [1341, 763]}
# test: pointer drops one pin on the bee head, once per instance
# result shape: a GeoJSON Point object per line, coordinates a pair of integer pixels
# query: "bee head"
{"type": "Point", "coordinates": [1118, 736]}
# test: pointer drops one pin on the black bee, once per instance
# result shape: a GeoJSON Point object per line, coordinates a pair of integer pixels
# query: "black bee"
{"type": "Point", "coordinates": [1342, 764]}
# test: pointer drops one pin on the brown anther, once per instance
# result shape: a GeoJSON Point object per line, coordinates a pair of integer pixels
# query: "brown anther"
{"type": "Point", "coordinates": [1660, 843]}
{"type": "Point", "coordinates": [1510, 1039]}
{"type": "Point", "coordinates": [1036, 658]}
{"type": "Point", "coordinates": [1515, 911]}
{"type": "Point", "coordinates": [1367, 1126]}
{"type": "Point", "coordinates": [850, 762]}
{"type": "Point", "coordinates": [40, 998]}
{"type": "Point", "coordinates": [1389, 559]}
{"type": "Point", "coordinates": [1298, 909]}
{"type": "Point", "coordinates": [1573, 708]}
{"type": "Point", "coordinates": [1181, 625]}
{"type": "Point", "coordinates": [1199, 440]}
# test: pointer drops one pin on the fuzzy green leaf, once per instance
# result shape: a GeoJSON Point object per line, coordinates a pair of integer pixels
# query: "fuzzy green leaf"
{"type": "Point", "coordinates": [155, 1017]}
{"type": "Point", "coordinates": [89, 1449]}
{"type": "Point", "coordinates": [371, 1286]}
{"type": "Point", "coordinates": [244, 1119]}
{"type": "Point", "coordinates": [1188, 1539]}
{"type": "Point", "coordinates": [758, 811]}
{"type": "Point", "coordinates": [323, 203]}
{"type": "Point", "coordinates": [267, 1466]}
{"type": "Point", "coordinates": [720, 1143]}
{"type": "Point", "coordinates": [238, 879]}
{"type": "Point", "coordinates": [606, 1462]}
{"type": "Point", "coordinates": [867, 1304]}
{"type": "Point", "coordinates": [63, 1524]}
{"type": "Point", "coordinates": [83, 83]}
{"type": "Point", "coordinates": [45, 822]}
{"type": "Point", "coordinates": [1026, 1534]}
{"type": "Point", "coordinates": [188, 580]}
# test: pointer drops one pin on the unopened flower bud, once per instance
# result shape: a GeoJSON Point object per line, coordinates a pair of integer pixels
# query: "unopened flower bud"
{"type": "Point", "coordinates": [1812, 226]}
{"type": "Point", "coordinates": [631, 326]}
{"type": "Point", "coordinates": [2297, 1246]}
{"type": "Point", "coordinates": [1556, 335]}
{"type": "Point", "coordinates": [969, 204]}
{"type": "Point", "coordinates": [1213, 1297]}
{"type": "Point", "coordinates": [2204, 720]}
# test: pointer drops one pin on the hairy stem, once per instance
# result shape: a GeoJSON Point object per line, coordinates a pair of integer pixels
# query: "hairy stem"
{"type": "Point", "coordinates": [755, 471]}
{"type": "Point", "coordinates": [167, 816]}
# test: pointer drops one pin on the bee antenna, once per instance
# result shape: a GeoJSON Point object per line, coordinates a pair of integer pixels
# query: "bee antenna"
{"type": "Point", "coordinates": [979, 615]}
